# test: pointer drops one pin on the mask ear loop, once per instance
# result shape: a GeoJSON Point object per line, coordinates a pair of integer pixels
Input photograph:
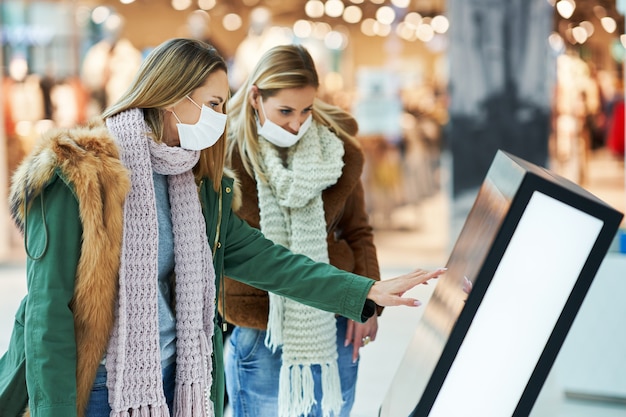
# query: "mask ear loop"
{"type": "Point", "coordinates": [174, 113]}
{"type": "Point", "coordinates": [262, 109]}
{"type": "Point", "coordinates": [197, 105]}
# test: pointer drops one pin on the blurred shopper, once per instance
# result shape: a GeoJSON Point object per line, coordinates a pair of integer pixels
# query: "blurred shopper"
{"type": "Point", "coordinates": [300, 166]}
{"type": "Point", "coordinates": [128, 227]}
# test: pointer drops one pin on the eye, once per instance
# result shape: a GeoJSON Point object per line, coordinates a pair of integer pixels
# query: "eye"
{"type": "Point", "coordinates": [286, 112]}
{"type": "Point", "coordinates": [214, 104]}
{"type": "Point", "coordinates": [307, 111]}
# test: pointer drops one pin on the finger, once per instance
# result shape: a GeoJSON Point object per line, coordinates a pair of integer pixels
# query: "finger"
{"type": "Point", "coordinates": [359, 335]}
{"type": "Point", "coordinates": [349, 332]}
{"type": "Point", "coordinates": [406, 301]}
{"type": "Point", "coordinates": [355, 350]}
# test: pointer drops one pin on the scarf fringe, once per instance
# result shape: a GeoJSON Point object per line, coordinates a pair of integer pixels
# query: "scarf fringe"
{"type": "Point", "coordinates": [274, 333]}
{"type": "Point", "coordinates": [192, 400]}
{"type": "Point", "coordinates": [296, 394]}
{"type": "Point", "coordinates": [144, 411]}
{"type": "Point", "coordinates": [331, 386]}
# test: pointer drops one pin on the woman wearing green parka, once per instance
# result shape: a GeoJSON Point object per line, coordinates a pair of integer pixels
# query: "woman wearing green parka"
{"type": "Point", "coordinates": [129, 228]}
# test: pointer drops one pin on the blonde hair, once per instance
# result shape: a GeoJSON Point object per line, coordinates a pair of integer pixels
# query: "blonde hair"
{"type": "Point", "coordinates": [169, 73]}
{"type": "Point", "coordinates": [282, 67]}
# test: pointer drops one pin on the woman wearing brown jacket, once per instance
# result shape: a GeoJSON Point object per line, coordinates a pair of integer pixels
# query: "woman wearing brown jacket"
{"type": "Point", "coordinates": [299, 165]}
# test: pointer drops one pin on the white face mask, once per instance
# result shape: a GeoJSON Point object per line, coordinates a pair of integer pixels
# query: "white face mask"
{"type": "Point", "coordinates": [205, 132]}
{"type": "Point", "coordinates": [279, 136]}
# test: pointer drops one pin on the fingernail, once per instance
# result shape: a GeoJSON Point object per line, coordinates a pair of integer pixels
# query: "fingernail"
{"type": "Point", "coordinates": [442, 269]}
{"type": "Point", "coordinates": [346, 343]}
{"type": "Point", "coordinates": [417, 303]}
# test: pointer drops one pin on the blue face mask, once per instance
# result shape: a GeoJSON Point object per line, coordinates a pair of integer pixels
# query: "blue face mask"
{"type": "Point", "coordinates": [205, 133]}
{"type": "Point", "coordinates": [279, 136]}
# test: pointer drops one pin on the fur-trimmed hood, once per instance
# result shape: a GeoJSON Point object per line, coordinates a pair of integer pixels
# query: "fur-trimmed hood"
{"type": "Point", "coordinates": [86, 156]}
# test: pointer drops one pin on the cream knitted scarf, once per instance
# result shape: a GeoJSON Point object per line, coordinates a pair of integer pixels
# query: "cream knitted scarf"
{"type": "Point", "coordinates": [134, 375]}
{"type": "Point", "coordinates": [292, 214]}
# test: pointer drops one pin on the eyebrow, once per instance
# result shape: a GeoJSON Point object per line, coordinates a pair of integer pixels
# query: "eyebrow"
{"type": "Point", "coordinates": [285, 107]}
{"type": "Point", "coordinates": [218, 98]}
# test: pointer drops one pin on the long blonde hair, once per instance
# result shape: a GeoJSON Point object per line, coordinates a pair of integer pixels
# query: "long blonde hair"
{"type": "Point", "coordinates": [285, 66]}
{"type": "Point", "coordinates": [170, 72]}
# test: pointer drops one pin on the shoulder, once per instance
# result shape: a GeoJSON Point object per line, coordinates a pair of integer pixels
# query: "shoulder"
{"type": "Point", "coordinates": [353, 154]}
{"type": "Point", "coordinates": [84, 156]}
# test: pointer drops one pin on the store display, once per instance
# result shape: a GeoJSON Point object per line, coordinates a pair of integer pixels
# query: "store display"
{"type": "Point", "coordinates": [531, 246]}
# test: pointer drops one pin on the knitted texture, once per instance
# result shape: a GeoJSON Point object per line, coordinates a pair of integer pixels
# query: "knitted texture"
{"type": "Point", "coordinates": [134, 375]}
{"type": "Point", "coordinates": [292, 214]}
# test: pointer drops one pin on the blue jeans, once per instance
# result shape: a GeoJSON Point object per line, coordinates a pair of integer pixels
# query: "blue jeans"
{"type": "Point", "coordinates": [252, 373]}
{"type": "Point", "coordinates": [98, 405]}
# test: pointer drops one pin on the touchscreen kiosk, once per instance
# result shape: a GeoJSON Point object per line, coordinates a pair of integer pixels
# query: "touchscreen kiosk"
{"type": "Point", "coordinates": [517, 274]}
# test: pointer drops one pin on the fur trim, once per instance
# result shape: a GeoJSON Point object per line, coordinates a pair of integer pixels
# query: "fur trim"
{"type": "Point", "coordinates": [87, 158]}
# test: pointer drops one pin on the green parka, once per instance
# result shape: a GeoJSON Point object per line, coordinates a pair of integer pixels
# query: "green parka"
{"type": "Point", "coordinates": [67, 197]}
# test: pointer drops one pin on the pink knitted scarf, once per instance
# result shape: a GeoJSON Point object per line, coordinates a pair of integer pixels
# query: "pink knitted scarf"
{"type": "Point", "coordinates": [134, 375]}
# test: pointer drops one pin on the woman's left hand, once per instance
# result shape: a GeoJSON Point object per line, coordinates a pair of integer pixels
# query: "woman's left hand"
{"type": "Point", "coordinates": [360, 334]}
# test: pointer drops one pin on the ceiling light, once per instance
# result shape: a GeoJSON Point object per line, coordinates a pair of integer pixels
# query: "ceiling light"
{"type": "Point", "coordinates": [206, 4]}
{"type": "Point", "coordinates": [401, 4]}
{"type": "Point", "coordinates": [367, 27]}
{"type": "Point", "coordinates": [440, 24]}
{"type": "Point", "coordinates": [231, 22]}
{"type": "Point", "coordinates": [181, 4]}
{"type": "Point", "coordinates": [302, 28]}
{"type": "Point", "coordinates": [385, 15]}
{"type": "Point", "coordinates": [413, 18]}
{"type": "Point", "coordinates": [334, 8]}
{"type": "Point", "coordinates": [100, 14]}
{"type": "Point", "coordinates": [566, 8]}
{"type": "Point", "coordinates": [314, 9]}
{"type": "Point", "coordinates": [579, 34]}
{"type": "Point", "coordinates": [335, 40]}
{"type": "Point", "coordinates": [425, 32]}
{"type": "Point", "coordinates": [382, 29]}
{"type": "Point", "coordinates": [321, 29]}
{"type": "Point", "coordinates": [609, 24]}
{"type": "Point", "coordinates": [588, 26]}
{"type": "Point", "coordinates": [352, 14]}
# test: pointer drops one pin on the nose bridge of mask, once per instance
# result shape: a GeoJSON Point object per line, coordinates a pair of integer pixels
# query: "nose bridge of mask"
{"type": "Point", "coordinates": [278, 126]}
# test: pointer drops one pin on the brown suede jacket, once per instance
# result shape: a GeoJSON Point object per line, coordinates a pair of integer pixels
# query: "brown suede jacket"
{"type": "Point", "coordinates": [350, 239]}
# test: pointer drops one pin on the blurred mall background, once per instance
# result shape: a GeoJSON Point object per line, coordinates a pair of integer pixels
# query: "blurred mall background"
{"type": "Point", "coordinates": [437, 87]}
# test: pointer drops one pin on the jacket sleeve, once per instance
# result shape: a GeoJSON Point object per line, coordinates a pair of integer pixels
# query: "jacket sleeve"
{"type": "Point", "coordinates": [251, 258]}
{"type": "Point", "coordinates": [53, 235]}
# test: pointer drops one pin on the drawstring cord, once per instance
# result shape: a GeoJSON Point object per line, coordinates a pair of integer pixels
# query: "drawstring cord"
{"type": "Point", "coordinates": [45, 228]}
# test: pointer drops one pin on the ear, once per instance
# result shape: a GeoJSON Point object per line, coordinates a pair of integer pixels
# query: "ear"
{"type": "Point", "coordinates": [253, 96]}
